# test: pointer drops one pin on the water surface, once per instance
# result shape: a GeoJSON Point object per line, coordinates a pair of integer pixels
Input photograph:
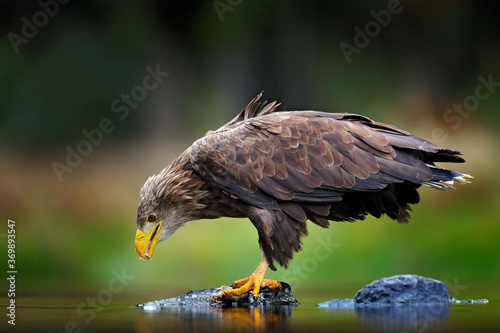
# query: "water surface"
{"type": "Point", "coordinates": [46, 314]}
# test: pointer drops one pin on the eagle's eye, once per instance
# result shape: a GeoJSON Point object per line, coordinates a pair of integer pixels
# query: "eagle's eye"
{"type": "Point", "coordinates": [151, 218]}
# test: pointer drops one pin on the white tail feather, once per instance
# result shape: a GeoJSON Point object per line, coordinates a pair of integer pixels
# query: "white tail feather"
{"type": "Point", "coordinates": [448, 185]}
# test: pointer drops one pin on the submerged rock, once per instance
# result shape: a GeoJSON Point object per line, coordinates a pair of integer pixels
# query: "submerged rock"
{"type": "Point", "coordinates": [399, 303]}
{"type": "Point", "coordinates": [395, 291]}
{"type": "Point", "coordinates": [201, 297]}
{"type": "Point", "coordinates": [342, 303]}
{"type": "Point", "coordinates": [402, 289]}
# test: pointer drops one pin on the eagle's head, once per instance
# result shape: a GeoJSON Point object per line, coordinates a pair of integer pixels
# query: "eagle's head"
{"type": "Point", "coordinates": [155, 217]}
{"type": "Point", "coordinates": [168, 200]}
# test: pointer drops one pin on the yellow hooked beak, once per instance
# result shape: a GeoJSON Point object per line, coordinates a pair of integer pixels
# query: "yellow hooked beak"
{"type": "Point", "coordinates": [145, 245]}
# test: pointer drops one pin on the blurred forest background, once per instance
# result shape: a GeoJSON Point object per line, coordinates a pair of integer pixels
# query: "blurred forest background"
{"type": "Point", "coordinates": [68, 76]}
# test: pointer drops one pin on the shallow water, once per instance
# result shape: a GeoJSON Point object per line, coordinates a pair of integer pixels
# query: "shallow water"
{"type": "Point", "coordinates": [61, 315]}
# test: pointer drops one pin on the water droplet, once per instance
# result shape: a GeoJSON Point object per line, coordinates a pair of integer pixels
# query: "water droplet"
{"type": "Point", "coordinates": [151, 307]}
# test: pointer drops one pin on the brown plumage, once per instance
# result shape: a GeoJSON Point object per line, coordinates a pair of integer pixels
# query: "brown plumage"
{"type": "Point", "coordinates": [280, 169]}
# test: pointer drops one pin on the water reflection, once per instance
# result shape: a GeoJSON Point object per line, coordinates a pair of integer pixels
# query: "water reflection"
{"type": "Point", "coordinates": [262, 318]}
{"type": "Point", "coordinates": [410, 318]}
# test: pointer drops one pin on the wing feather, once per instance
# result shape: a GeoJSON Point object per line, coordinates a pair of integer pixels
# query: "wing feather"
{"type": "Point", "coordinates": [293, 166]}
{"type": "Point", "coordinates": [309, 152]}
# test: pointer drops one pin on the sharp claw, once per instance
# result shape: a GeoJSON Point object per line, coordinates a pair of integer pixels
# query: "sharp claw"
{"type": "Point", "coordinates": [284, 286]}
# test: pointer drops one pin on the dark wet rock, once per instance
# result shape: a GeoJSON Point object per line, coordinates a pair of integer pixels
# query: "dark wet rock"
{"type": "Point", "coordinates": [399, 303]}
{"type": "Point", "coordinates": [402, 289]}
{"type": "Point", "coordinates": [395, 291]}
{"type": "Point", "coordinates": [270, 298]}
{"type": "Point", "coordinates": [192, 298]}
{"type": "Point", "coordinates": [201, 298]}
{"type": "Point", "coordinates": [198, 314]}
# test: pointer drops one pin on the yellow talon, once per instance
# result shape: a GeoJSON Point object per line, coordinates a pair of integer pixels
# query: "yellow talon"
{"type": "Point", "coordinates": [255, 282]}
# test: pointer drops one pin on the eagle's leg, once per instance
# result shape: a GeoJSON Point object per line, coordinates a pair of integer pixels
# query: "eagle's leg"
{"type": "Point", "coordinates": [254, 282]}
